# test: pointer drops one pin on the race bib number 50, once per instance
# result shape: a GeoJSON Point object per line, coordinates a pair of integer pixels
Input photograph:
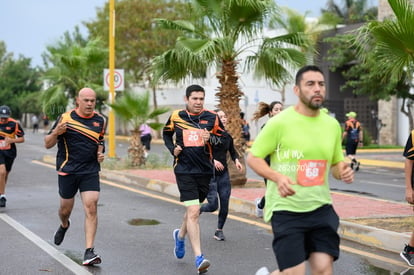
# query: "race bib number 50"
{"type": "Point", "coordinates": [193, 138]}
{"type": "Point", "coordinates": [311, 172]}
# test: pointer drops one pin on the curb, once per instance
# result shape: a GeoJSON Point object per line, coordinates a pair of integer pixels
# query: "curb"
{"type": "Point", "coordinates": [366, 235]}
{"type": "Point", "coordinates": [363, 234]}
{"type": "Point", "coordinates": [372, 236]}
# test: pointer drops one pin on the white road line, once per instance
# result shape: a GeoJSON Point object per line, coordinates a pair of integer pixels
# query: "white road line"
{"type": "Point", "coordinates": [240, 219]}
{"type": "Point", "coordinates": [53, 252]}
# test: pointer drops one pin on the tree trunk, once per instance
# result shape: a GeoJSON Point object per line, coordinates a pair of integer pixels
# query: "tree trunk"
{"type": "Point", "coordinates": [230, 94]}
{"type": "Point", "coordinates": [136, 149]}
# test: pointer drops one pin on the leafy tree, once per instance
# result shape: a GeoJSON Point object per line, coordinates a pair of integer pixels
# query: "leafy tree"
{"type": "Point", "coordinates": [17, 80]}
{"type": "Point", "coordinates": [293, 22]}
{"type": "Point", "coordinates": [359, 74]}
{"type": "Point", "coordinates": [71, 64]}
{"type": "Point", "coordinates": [229, 30]}
{"type": "Point", "coordinates": [138, 39]}
{"type": "Point", "coordinates": [392, 50]}
{"type": "Point", "coordinates": [135, 109]}
{"type": "Point", "coordinates": [352, 11]}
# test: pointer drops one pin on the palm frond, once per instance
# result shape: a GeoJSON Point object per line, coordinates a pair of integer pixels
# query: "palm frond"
{"type": "Point", "coordinates": [135, 109]}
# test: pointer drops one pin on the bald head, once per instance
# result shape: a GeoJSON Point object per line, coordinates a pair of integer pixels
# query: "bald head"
{"type": "Point", "coordinates": [87, 92]}
{"type": "Point", "coordinates": [86, 101]}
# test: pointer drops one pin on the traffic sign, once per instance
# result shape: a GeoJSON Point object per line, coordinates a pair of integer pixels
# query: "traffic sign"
{"type": "Point", "coordinates": [118, 80]}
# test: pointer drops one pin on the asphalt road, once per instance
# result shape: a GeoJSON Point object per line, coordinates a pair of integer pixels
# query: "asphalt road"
{"type": "Point", "coordinates": [376, 182]}
{"type": "Point", "coordinates": [138, 249]}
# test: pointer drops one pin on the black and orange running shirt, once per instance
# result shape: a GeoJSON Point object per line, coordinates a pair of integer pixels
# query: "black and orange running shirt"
{"type": "Point", "coordinates": [78, 146]}
{"type": "Point", "coordinates": [409, 147]}
{"type": "Point", "coordinates": [409, 153]}
{"type": "Point", "coordinates": [11, 129]}
{"type": "Point", "coordinates": [196, 156]}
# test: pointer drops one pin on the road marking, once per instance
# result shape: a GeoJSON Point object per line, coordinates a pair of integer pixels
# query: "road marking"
{"type": "Point", "coordinates": [53, 252]}
{"type": "Point", "coordinates": [374, 256]}
{"type": "Point", "coordinates": [240, 219]}
{"type": "Point", "coordinates": [121, 186]}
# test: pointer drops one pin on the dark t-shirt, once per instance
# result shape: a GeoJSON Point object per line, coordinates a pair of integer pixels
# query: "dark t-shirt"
{"type": "Point", "coordinates": [409, 154]}
{"type": "Point", "coordinates": [221, 146]}
{"type": "Point", "coordinates": [11, 129]}
{"type": "Point", "coordinates": [78, 146]}
{"type": "Point", "coordinates": [196, 157]}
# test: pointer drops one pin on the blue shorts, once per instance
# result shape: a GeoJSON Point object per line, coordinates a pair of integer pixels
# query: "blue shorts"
{"type": "Point", "coordinates": [297, 235]}
{"type": "Point", "coordinates": [71, 183]}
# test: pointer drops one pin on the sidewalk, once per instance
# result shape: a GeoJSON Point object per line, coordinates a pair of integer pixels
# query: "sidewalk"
{"type": "Point", "coordinates": [348, 206]}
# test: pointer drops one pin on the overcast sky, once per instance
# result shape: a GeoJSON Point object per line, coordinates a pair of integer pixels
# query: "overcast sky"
{"type": "Point", "coordinates": [28, 26]}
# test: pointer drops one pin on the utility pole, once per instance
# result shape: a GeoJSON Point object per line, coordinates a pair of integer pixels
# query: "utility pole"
{"type": "Point", "coordinates": [111, 117]}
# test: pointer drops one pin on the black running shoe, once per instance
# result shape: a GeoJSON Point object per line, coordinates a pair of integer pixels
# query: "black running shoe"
{"type": "Point", "coordinates": [408, 255]}
{"type": "Point", "coordinates": [3, 202]}
{"type": "Point", "coordinates": [91, 258]}
{"type": "Point", "coordinates": [357, 166]}
{"type": "Point", "coordinates": [219, 236]}
{"type": "Point", "coordinates": [60, 234]}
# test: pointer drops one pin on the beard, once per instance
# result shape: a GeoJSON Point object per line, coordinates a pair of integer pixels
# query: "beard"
{"type": "Point", "coordinates": [310, 103]}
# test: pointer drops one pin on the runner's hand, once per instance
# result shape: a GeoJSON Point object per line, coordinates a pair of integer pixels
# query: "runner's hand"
{"type": "Point", "coordinates": [284, 186]}
{"type": "Point", "coordinates": [101, 157]}
{"type": "Point", "coordinates": [206, 135]}
{"type": "Point", "coordinates": [346, 174]}
{"type": "Point", "coordinates": [177, 150]}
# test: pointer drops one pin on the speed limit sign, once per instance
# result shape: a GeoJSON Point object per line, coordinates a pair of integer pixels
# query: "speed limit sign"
{"type": "Point", "coordinates": [118, 79]}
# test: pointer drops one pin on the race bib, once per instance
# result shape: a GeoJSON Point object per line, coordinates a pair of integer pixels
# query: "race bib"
{"type": "Point", "coordinates": [4, 145]}
{"type": "Point", "coordinates": [193, 138]}
{"type": "Point", "coordinates": [311, 172]}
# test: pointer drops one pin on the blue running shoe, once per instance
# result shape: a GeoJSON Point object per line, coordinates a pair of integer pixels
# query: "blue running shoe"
{"type": "Point", "coordinates": [179, 250]}
{"type": "Point", "coordinates": [202, 264]}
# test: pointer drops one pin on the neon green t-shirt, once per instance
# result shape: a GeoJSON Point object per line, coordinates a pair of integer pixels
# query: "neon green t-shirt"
{"type": "Point", "coordinates": [302, 148]}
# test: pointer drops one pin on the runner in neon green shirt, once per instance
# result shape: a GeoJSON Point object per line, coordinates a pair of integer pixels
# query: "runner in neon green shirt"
{"type": "Point", "coordinates": [304, 145]}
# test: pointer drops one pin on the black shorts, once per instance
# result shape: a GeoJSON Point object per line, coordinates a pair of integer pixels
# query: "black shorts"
{"type": "Point", "coordinates": [297, 235]}
{"type": "Point", "coordinates": [193, 187]}
{"type": "Point", "coordinates": [8, 162]}
{"type": "Point", "coordinates": [146, 141]}
{"type": "Point", "coordinates": [70, 184]}
{"type": "Point", "coordinates": [351, 147]}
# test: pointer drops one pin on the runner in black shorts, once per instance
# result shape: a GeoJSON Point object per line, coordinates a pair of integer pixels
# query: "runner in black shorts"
{"type": "Point", "coordinates": [193, 165]}
{"type": "Point", "coordinates": [11, 132]}
{"type": "Point", "coordinates": [298, 197]}
{"type": "Point", "coordinates": [79, 136]}
{"type": "Point", "coordinates": [297, 235]}
{"type": "Point", "coordinates": [70, 184]}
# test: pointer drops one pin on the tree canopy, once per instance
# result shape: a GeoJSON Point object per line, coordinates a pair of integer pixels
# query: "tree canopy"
{"type": "Point", "coordinates": [225, 34]}
{"type": "Point", "coordinates": [391, 45]}
{"type": "Point", "coordinates": [71, 64]}
{"type": "Point", "coordinates": [18, 79]}
{"type": "Point", "coordinates": [138, 39]}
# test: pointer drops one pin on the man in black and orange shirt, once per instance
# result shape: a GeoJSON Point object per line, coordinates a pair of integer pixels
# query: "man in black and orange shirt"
{"type": "Point", "coordinates": [79, 136]}
{"type": "Point", "coordinates": [193, 166]}
{"type": "Point", "coordinates": [11, 132]}
{"type": "Point", "coordinates": [408, 253]}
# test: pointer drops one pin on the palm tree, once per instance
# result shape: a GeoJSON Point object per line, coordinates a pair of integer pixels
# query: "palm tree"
{"type": "Point", "coordinates": [71, 64]}
{"type": "Point", "coordinates": [229, 30]}
{"type": "Point", "coordinates": [353, 11]}
{"type": "Point", "coordinates": [393, 49]}
{"type": "Point", "coordinates": [135, 110]}
{"type": "Point", "coordinates": [292, 21]}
